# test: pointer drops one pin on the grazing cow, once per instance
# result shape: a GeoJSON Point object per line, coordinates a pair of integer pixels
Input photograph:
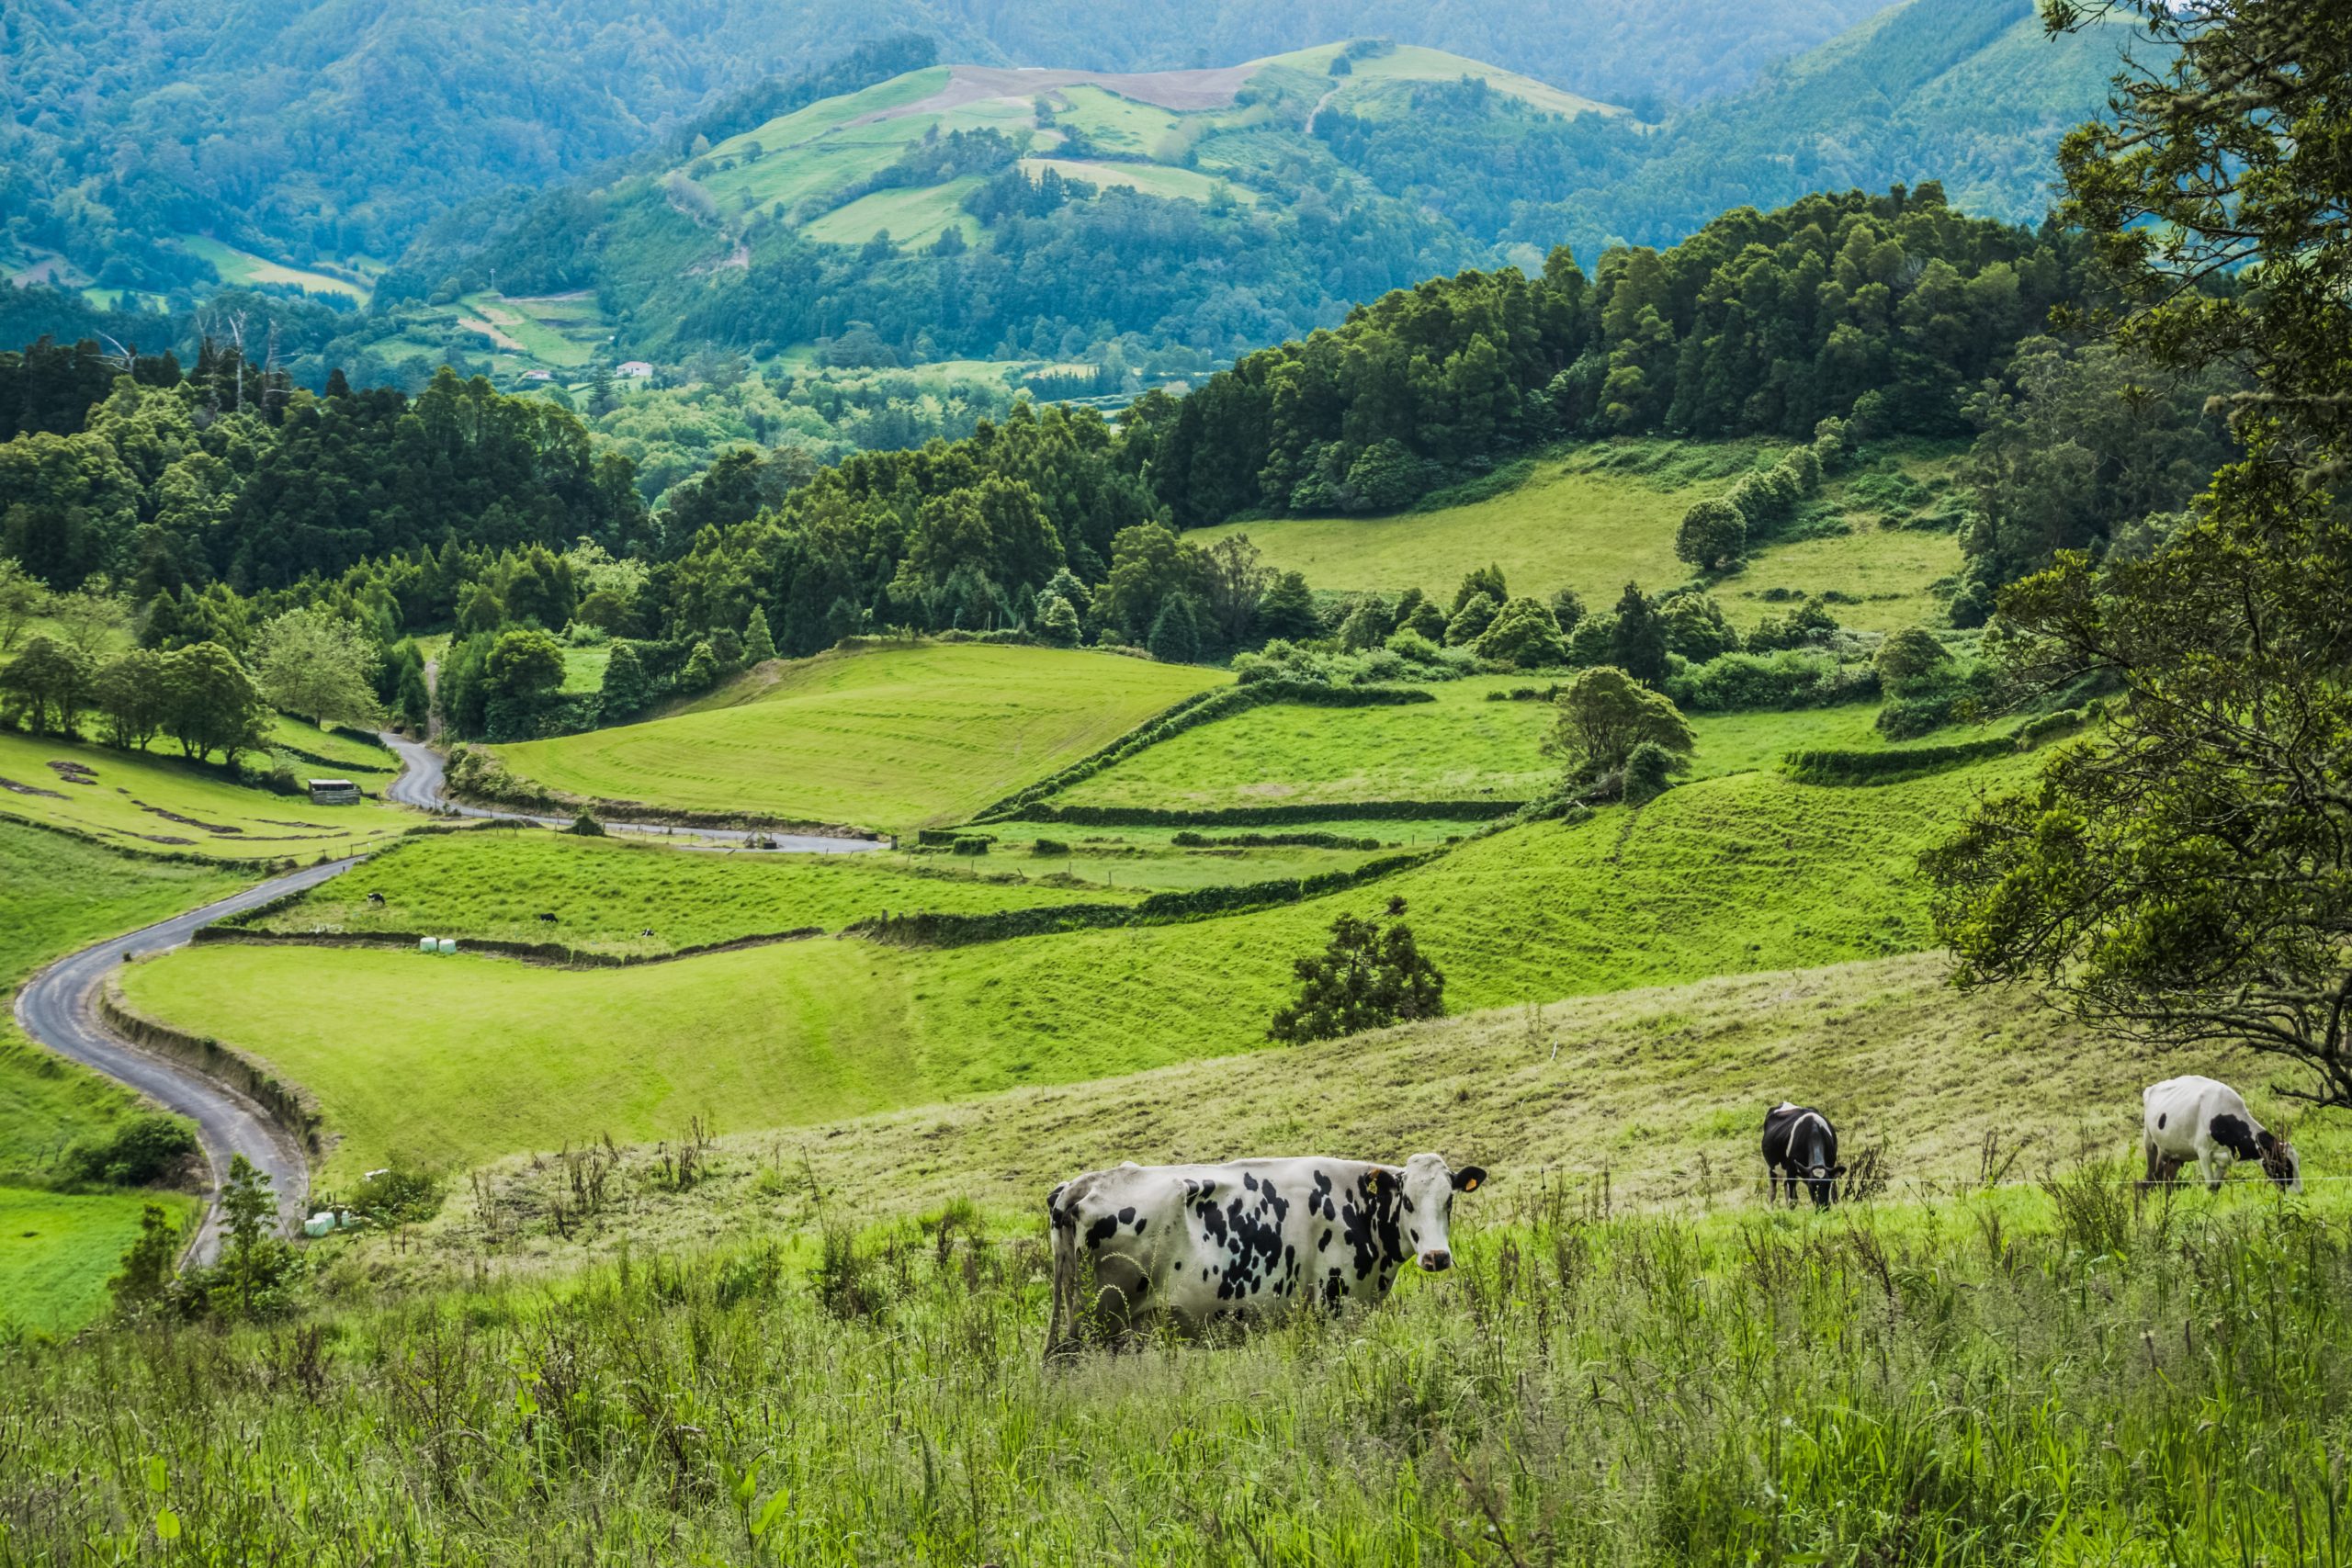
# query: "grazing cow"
{"type": "Point", "coordinates": [1194, 1244]}
{"type": "Point", "coordinates": [375, 899]}
{"type": "Point", "coordinates": [2206, 1121]}
{"type": "Point", "coordinates": [546, 920]}
{"type": "Point", "coordinates": [1801, 1145]}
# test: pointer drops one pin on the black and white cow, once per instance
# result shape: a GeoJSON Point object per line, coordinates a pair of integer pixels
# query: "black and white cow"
{"type": "Point", "coordinates": [1800, 1145]}
{"type": "Point", "coordinates": [1191, 1245]}
{"type": "Point", "coordinates": [2204, 1119]}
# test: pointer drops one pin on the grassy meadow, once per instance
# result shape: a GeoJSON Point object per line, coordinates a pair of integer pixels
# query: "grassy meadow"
{"type": "Point", "coordinates": [57, 1250]}
{"type": "Point", "coordinates": [1596, 517]}
{"type": "Point", "coordinates": [150, 802]}
{"type": "Point", "coordinates": [486, 1057]}
{"type": "Point", "coordinates": [2053, 1377]}
{"type": "Point", "coordinates": [891, 738]}
{"type": "Point", "coordinates": [1460, 747]}
{"type": "Point", "coordinates": [606, 893]}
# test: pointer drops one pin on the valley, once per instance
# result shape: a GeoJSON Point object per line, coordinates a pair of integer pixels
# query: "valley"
{"type": "Point", "coordinates": [1335, 784]}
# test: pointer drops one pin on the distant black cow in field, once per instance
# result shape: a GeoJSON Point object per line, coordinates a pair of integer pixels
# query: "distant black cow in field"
{"type": "Point", "coordinates": [1800, 1145]}
{"type": "Point", "coordinates": [546, 920]}
{"type": "Point", "coordinates": [377, 899]}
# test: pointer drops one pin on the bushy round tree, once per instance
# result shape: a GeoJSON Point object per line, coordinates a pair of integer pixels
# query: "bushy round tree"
{"type": "Point", "coordinates": [1470, 621]}
{"type": "Point", "coordinates": [1524, 635]}
{"type": "Point", "coordinates": [1713, 535]}
{"type": "Point", "coordinates": [1605, 714]}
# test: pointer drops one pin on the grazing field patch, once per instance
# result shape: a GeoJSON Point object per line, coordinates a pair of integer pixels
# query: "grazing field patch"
{"type": "Point", "coordinates": [607, 894]}
{"type": "Point", "coordinates": [891, 738]}
{"type": "Point", "coordinates": [1596, 517]}
{"type": "Point", "coordinates": [243, 269]}
{"type": "Point", "coordinates": [1461, 746]}
{"type": "Point", "coordinates": [145, 800]}
{"type": "Point", "coordinates": [58, 1248]}
{"type": "Point", "coordinates": [911, 217]}
{"type": "Point", "coordinates": [468, 1058]}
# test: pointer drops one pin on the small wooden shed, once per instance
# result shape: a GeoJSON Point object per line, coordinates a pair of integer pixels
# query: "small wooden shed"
{"type": "Point", "coordinates": [334, 792]}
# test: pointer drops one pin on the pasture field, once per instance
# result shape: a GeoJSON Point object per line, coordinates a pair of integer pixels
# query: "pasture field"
{"type": "Point", "coordinates": [1419, 63]}
{"type": "Point", "coordinates": [1149, 178]}
{"type": "Point", "coordinates": [149, 801]}
{"type": "Point", "coordinates": [912, 218]}
{"type": "Point", "coordinates": [891, 738]}
{"type": "Point", "coordinates": [243, 269]}
{"type": "Point", "coordinates": [57, 1250]}
{"type": "Point", "coordinates": [494, 884]}
{"type": "Point", "coordinates": [1460, 747]}
{"type": "Point", "coordinates": [1724, 876]}
{"type": "Point", "coordinates": [2041, 1373]}
{"type": "Point", "coordinates": [345, 755]}
{"type": "Point", "coordinates": [1596, 517]}
{"type": "Point", "coordinates": [1147, 858]}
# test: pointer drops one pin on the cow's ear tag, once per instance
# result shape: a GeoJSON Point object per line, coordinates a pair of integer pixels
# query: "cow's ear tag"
{"type": "Point", "coordinates": [1470, 1184]}
{"type": "Point", "coordinates": [1467, 1179]}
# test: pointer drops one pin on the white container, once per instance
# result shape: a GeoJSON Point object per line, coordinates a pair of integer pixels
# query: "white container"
{"type": "Point", "coordinates": [448, 945]}
{"type": "Point", "coordinates": [426, 944]}
{"type": "Point", "coordinates": [319, 1223]}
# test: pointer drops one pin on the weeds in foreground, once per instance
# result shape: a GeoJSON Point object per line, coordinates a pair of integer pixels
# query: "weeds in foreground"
{"type": "Point", "coordinates": [2060, 1375]}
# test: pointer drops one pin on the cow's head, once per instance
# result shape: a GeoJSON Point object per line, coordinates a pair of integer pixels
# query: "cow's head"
{"type": "Point", "coordinates": [1426, 1189]}
{"type": "Point", "coordinates": [1821, 1181]}
{"type": "Point", "coordinates": [2279, 1160]}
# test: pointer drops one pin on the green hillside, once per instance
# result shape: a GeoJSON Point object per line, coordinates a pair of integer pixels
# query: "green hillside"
{"type": "Point", "coordinates": [889, 737]}
{"type": "Point", "coordinates": [1729, 876]}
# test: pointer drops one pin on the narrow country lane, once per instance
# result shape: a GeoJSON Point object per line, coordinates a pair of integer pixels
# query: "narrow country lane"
{"type": "Point", "coordinates": [58, 1007]}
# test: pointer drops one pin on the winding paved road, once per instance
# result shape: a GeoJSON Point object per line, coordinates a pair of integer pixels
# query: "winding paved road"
{"type": "Point", "coordinates": [58, 1007]}
{"type": "Point", "coordinates": [421, 786]}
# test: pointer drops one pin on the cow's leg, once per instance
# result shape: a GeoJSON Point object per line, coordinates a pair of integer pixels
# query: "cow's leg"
{"type": "Point", "coordinates": [2155, 1161]}
{"type": "Point", "coordinates": [2209, 1166]}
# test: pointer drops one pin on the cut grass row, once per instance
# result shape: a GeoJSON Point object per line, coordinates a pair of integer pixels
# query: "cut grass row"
{"type": "Point", "coordinates": [151, 802]}
{"type": "Point", "coordinates": [461, 1060]}
{"type": "Point", "coordinates": [890, 738]}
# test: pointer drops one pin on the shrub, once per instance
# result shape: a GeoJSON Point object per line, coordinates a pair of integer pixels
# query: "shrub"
{"type": "Point", "coordinates": [1605, 714]}
{"type": "Point", "coordinates": [970, 844]}
{"type": "Point", "coordinates": [1368, 976]}
{"type": "Point", "coordinates": [1647, 771]}
{"type": "Point", "coordinates": [1567, 609]}
{"type": "Point", "coordinates": [1052, 849]}
{"type": "Point", "coordinates": [1832, 766]}
{"type": "Point", "coordinates": [585, 825]}
{"type": "Point", "coordinates": [1524, 635]}
{"type": "Point", "coordinates": [1713, 535]}
{"type": "Point", "coordinates": [144, 1149]}
{"type": "Point", "coordinates": [1594, 637]}
{"type": "Point", "coordinates": [399, 1194]}
{"type": "Point", "coordinates": [1907, 656]}
{"type": "Point", "coordinates": [1175, 635]}
{"type": "Point", "coordinates": [1697, 628]}
{"type": "Point", "coordinates": [1470, 621]}
{"type": "Point", "coordinates": [1794, 679]}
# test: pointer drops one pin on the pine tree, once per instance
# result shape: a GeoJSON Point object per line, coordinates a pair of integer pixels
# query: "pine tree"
{"type": "Point", "coordinates": [1639, 641]}
{"type": "Point", "coordinates": [759, 647]}
{"type": "Point", "coordinates": [624, 692]}
{"type": "Point", "coordinates": [1176, 631]}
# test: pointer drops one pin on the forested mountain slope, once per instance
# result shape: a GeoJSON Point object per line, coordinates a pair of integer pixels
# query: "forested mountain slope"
{"type": "Point", "coordinates": [334, 131]}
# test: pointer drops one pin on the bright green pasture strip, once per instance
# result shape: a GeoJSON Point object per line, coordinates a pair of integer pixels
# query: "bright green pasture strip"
{"type": "Point", "coordinates": [370, 767]}
{"type": "Point", "coordinates": [1112, 121]}
{"type": "Point", "coordinates": [1123, 860]}
{"type": "Point", "coordinates": [1414, 62]}
{"type": "Point", "coordinates": [539, 340]}
{"type": "Point", "coordinates": [1595, 518]}
{"type": "Point", "coordinates": [606, 893]}
{"type": "Point", "coordinates": [231, 822]}
{"type": "Point", "coordinates": [908, 216]}
{"type": "Point", "coordinates": [1149, 178]}
{"type": "Point", "coordinates": [584, 668]}
{"type": "Point", "coordinates": [243, 269]}
{"type": "Point", "coordinates": [57, 1250]}
{"type": "Point", "coordinates": [891, 738]}
{"type": "Point", "coordinates": [1461, 746]}
{"type": "Point", "coordinates": [1889, 570]}
{"type": "Point", "coordinates": [461, 1059]}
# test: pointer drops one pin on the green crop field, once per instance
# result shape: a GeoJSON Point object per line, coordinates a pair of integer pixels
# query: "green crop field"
{"type": "Point", "coordinates": [1597, 517]}
{"type": "Point", "coordinates": [891, 738]}
{"type": "Point", "coordinates": [605, 893]}
{"type": "Point", "coordinates": [1414, 62]}
{"type": "Point", "coordinates": [149, 801]}
{"type": "Point", "coordinates": [1460, 747]}
{"type": "Point", "coordinates": [57, 1249]}
{"type": "Point", "coordinates": [1148, 859]}
{"type": "Point", "coordinates": [909, 217]}
{"type": "Point", "coordinates": [243, 269]}
{"type": "Point", "coordinates": [468, 1058]}
{"type": "Point", "coordinates": [1149, 178]}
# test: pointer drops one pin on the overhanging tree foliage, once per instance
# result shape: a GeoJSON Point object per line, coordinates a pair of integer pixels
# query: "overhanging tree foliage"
{"type": "Point", "coordinates": [2186, 874]}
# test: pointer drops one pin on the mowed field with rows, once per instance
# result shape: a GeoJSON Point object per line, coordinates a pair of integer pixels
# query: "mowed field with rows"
{"type": "Point", "coordinates": [890, 738]}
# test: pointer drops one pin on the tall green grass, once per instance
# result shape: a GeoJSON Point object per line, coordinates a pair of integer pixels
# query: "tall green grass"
{"type": "Point", "coordinates": [2014, 1379]}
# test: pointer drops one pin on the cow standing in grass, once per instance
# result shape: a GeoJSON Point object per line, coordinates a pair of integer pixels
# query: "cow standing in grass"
{"type": "Point", "coordinates": [1194, 1245]}
{"type": "Point", "coordinates": [2206, 1121]}
{"type": "Point", "coordinates": [1800, 1145]}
